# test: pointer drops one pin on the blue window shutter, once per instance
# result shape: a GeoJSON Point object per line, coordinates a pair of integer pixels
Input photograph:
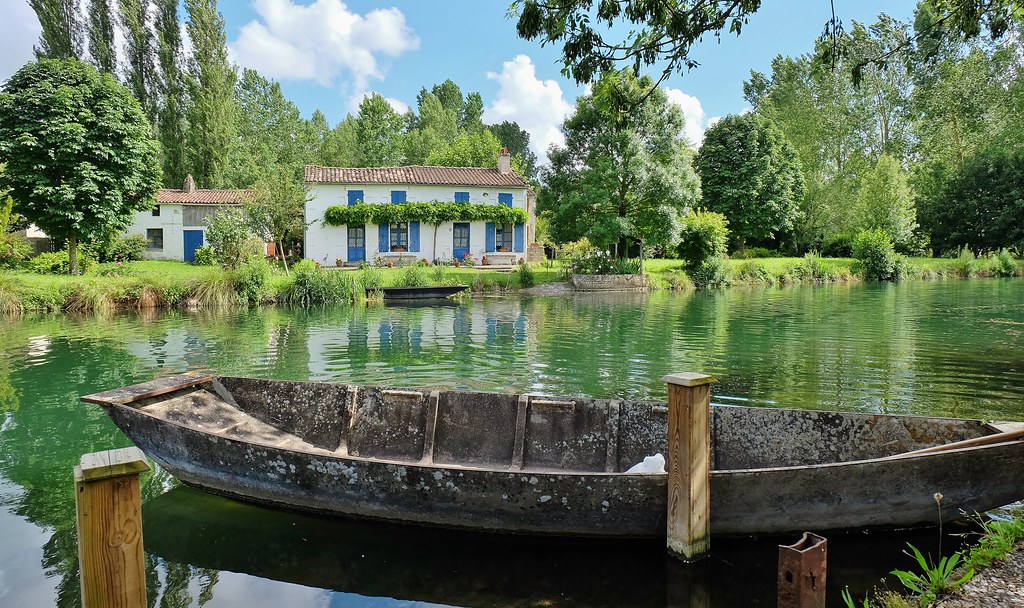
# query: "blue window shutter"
{"type": "Point", "coordinates": [355, 196]}
{"type": "Point", "coordinates": [462, 197]}
{"type": "Point", "coordinates": [519, 237]}
{"type": "Point", "coordinates": [398, 196]}
{"type": "Point", "coordinates": [384, 238]}
{"type": "Point", "coordinates": [505, 198]}
{"type": "Point", "coordinates": [489, 236]}
{"type": "Point", "coordinates": [414, 236]}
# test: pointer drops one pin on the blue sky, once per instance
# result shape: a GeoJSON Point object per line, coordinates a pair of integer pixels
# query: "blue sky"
{"type": "Point", "coordinates": [327, 54]}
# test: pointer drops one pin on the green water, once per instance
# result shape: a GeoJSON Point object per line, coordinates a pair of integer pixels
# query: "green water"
{"type": "Point", "coordinates": [948, 348]}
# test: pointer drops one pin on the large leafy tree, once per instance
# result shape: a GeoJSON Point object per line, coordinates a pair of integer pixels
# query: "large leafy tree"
{"type": "Point", "coordinates": [750, 174]}
{"type": "Point", "coordinates": [276, 212]}
{"type": "Point", "coordinates": [379, 132]}
{"type": "Point", "coordinates": [620, 179]}
{"type": "Point", "coordinates": [886, 202]}
{"type": "Point", "coordinates": [211, 113]}
{"type": "Point", "coordinates": [79, 157]}
{"type": "Point", "coordinates": [470, 149]}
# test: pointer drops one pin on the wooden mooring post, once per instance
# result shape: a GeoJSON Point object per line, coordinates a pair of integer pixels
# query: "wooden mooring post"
{"type": "Point", "coordinates": [802, 568]}
{"type": "Point", "coordinates": [689, 465]}
{"type": "Point", "coordinates": [109, 519]}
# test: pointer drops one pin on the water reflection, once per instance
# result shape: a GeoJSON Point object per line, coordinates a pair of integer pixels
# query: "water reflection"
{"type": "Point", "coordinates": [950, 348]}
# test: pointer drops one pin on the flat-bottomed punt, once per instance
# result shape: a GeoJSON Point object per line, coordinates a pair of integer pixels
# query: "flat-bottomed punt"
{"type": "Point", "coordinates": [543, 465]}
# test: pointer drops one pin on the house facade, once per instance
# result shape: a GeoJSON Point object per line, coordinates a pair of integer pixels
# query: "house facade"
{"type": "Point", "coordinates": [176, 226]}
{"type": "Point", "coordinates": [332, 186]}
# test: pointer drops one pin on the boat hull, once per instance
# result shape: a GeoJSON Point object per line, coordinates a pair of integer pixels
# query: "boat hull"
{"type": "Point", "coordinates": [886, 492]}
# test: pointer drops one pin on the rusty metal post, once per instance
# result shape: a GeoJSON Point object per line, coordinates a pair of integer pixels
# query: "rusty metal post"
{"type": "Point", "coordinates": [802, 569]}
{"type": "Point", "coordinates": [689, 465]}
{"type": "Point", "coordinates": [109, 519]}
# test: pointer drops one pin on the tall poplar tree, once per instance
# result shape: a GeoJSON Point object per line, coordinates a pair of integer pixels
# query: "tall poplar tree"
{"type": "Point", "coordinates": [139, 53]}
{"type": "Point", "coordinates": [211, 113]}
{"type": "Point", "coordinates": [379, 133]}
{"type": "Point", "coordinates": [173, 103]}
{"type": "Point", "coordinates": [62, 31]}
{"type": "Point", "coordinates": [101, 36]}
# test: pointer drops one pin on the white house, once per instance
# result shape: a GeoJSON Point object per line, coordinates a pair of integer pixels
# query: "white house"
{"type": "Point", "coordinates": [501, 243]}
{"type": "Point", "coordinates": [176, 226]}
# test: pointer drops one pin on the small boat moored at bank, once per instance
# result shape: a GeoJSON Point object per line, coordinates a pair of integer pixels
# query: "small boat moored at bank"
{"type": "Point", "coordinates": [556, 465]}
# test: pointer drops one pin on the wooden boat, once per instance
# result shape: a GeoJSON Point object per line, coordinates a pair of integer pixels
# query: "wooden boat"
{"type": "Point", "coordinates": [435, 292]}
{"type": "Point", "coordinates": [543, 465]}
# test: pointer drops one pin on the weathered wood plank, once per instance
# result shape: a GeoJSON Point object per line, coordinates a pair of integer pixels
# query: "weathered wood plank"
{"type": "Point", "coordinates": [689, 465]}
{"type": "Point", "coordinates": [154, 388]}
{"type": "Point", "coordinates": [109, 523]}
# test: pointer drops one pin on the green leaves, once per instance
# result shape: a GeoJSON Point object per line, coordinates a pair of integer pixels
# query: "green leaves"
{"type": "Point", "coordinates": [935, 580]}
{"type": "Point", "coordinates": [433, 213]}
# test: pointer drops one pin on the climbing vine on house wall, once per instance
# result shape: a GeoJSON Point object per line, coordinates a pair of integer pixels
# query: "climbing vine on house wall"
{"type": "Point", "coordinates": [433, 213]}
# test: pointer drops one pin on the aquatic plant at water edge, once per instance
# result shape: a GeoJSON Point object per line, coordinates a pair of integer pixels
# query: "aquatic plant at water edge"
{"type": "Point", "coordinates": [709, 274]}
{"type": "Point", "coordinates": [312, 286]}
{"type": "Point", "coordinates": [998, 538]}
{"type": "Point", "coordinates": [966, 263]}
{"type": "Point", "coordinates": [879, 260]}
{"type": "Point", "coordinates": [934, 579]}
{"type": "Point", "coordinates": [705, 234]}
{"type": "Point", "coordinates": [370, 277]}
{"type": "Point", "coordinates": [1004, 264]}
{"type": "Point", "coordinates": [527, 278]}
{"type": "Point", "coordinates": [251, 279]}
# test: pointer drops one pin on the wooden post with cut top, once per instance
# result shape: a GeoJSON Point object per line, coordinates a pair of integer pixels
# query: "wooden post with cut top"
{"type": "Point", "coordinates": [108, 506]}
{"type": "Point", "coordinates": [689, 465]}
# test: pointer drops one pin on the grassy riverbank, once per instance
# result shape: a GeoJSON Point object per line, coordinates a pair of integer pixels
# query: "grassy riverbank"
{"type": "Point", "coordinates": [152, 284]}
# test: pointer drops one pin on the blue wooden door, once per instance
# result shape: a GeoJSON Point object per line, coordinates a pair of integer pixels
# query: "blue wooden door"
{"type": "Point", "coordinates": [356, 243]}
{"type": "Point", "coordinates": [193, 241]}
{"type": "Point", "coordinates": [460, 240]}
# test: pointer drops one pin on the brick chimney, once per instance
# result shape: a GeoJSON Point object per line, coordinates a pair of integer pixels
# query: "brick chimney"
{"type": "Point", "coordinates": [190, 184]}
{"type": "Point", "coordinates": [504, 161]}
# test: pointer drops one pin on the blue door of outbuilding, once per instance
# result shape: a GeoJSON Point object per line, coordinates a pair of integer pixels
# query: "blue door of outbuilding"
{"type": "Point", "coordinates": [357, 243]}
{"type": "Point", "coordinates": [193, 241]}
{"type": "Point", "coordinates": [460, 240]}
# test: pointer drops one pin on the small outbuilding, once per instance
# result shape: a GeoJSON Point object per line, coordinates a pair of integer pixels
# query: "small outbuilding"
{"type": "Point", "coordinates": [176, 226]}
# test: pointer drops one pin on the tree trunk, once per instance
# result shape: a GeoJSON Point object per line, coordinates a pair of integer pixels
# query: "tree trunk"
{"type": "Point", "coordinates": [434, 253]}
{"type": "Point", "coordinates": [284, 260]}
{"type": "Point", "coordinates": [73, 254]}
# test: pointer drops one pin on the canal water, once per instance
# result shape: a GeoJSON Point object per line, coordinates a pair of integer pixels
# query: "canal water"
{"type": "Point", "coordinates": [951, 348]}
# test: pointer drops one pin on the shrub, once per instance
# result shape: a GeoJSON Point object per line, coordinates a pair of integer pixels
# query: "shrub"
{"type": "Point", "coordinates": [251, 280]}
{"type": "Point", "coordinates": [312, 286]}
{"type": "Point", "coordinates": [204, 256]}
{"type": "Point", "coordinates": [124, 249]}
{"type": "Point", "coordinates": [813, 268]}
{"type": "Point", "coordinates": [371, 278]}
{"type": "Point", "coordinates": [438, 274]}
{"type": "Point", "coordinates": [57, 262]}
{"type": "Point", "coordinates": [1004, 264]}
{"type": "Point", "coordinates": [754, 272]}
{"type": "Point", "coordinates": [413, 276]}
{"type": "Point", "coordinates": [837, 246]}
{"type": "Point", "coordinates": [966, 263]}
{"type": "Point", "coordinates": [709, 274]}
{"type": "Point", "coordinates": [527, 278]}
{"type": "Point", "coordinates": [705, 235]}
{"type": "Point", "coordinates": [229, 236]}
{"type": "Point", "coordinates": [878, 258]}
{"type": "Point", "coordinates": [13, 249]}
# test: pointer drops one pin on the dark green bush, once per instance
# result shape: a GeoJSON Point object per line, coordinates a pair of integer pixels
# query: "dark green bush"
{"type": "Point", "coordinates": [123, 249]}
{"type": "Point", "coordinates": [527, 278]}
{"type": "Point", "coordinates": [312, 286]}
{"type": "Point", "coordinates": [837, 246]}
{"type": "Point", "coordinates": [1004, 264]}
{"type": "Point", "coordinates": [251, 279]}
{"type": "Point", "coordinates": [710, 274]}
{"type": "Point", "coordinates": [878, 257]}
{"type": "Point", "coordinates": [705, 235]}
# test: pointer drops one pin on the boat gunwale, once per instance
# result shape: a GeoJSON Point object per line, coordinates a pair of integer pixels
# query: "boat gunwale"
{"type": "Point", "coordinates": [322, 453]}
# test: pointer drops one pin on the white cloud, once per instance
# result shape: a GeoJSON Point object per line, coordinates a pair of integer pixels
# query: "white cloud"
{"type": "Point", "coordinates": [696, 121]}
{"type": "Point", "coordinates": [19, 31]}
{"type": "Point", "coordinates": [321, 41]}
{"type": "Point", "coordinates": [537, 105]}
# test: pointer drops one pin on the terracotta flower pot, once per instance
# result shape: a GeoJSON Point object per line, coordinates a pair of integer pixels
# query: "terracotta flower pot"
{"type": "Point", "coordinates": [390, 264]}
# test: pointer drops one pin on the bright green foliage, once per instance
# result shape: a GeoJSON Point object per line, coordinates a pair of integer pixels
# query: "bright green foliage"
{"type": "Point", "coordinates": [876, 253]}
{"type": "Point", "coordinates": [472, 113]}
{"type": "Point", "coordinates": [657, 31]}
{"type": "Point", "coordinates": [750, 174]}
{"type": "Point", "coordinates": [999, 538]}
{"type": "Point", "coordinates": [275, 213]}
{"type": "Point", "coordinates": [13, 247]}
{"type": "Point", "coordinates": [251, 279]}
{"type": "Point", "coordinates": [886, 202]}
{"type": "Point", "coordinates": [62, 34]}
{"type": "Point", "coordinates": [211, 114]}
{"type": "Point", "coordinates": [141, 72]}
{"type": "Point", "coordinates": [340, 146]}
{"type": "Point", "coordinates": [982, 205]}
{"type": "Point", "coordinates": [430, 213]}
{"type": "Point", "coordinates": [313, 286]}
{"type": "Point", "coordinates": [527, 277]}
{"type": "Point", "coordinates": [470, 149]}
{"type": "Point", "coordinates": [1004, 264]}
{"type": "Point", "coordinates": [227, 232]}
{"type": "Point", "coordinates": [204, 256]}
{"type": "Point", "coordinates": [79, 157]}
{"type": "Point", "coordinates": [123, 249]}
{"type": "Point", "coordinates": [59, 262]}
{"type": "Point", "coordinates": [935, 579]}
{"type": "Point", "coordinates": [379, 133]}
{"type": "Point", "coordinates": [413, 275]}
{"type": "Point", "coordinates": [620, 178]}
{"type": "Point", "coordinates": [705, 235]}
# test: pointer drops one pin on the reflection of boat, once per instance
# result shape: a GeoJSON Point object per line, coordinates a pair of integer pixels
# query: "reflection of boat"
{"type": "Point", "coordinates": [533, 464]}
{"type": "Point", "coordinates": [435, 292]}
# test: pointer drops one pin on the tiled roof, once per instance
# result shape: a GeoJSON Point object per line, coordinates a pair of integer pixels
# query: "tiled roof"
{"type": "Point", "coordinates": [414, 175]}
{"type": "Point", "coordinates": [202, 197]}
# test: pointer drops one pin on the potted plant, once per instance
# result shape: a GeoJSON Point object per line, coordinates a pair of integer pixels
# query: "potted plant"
{"type": "Point", "coordinates": [483, 261]}
{"type": "Point", "coordinates": [339, 262]}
